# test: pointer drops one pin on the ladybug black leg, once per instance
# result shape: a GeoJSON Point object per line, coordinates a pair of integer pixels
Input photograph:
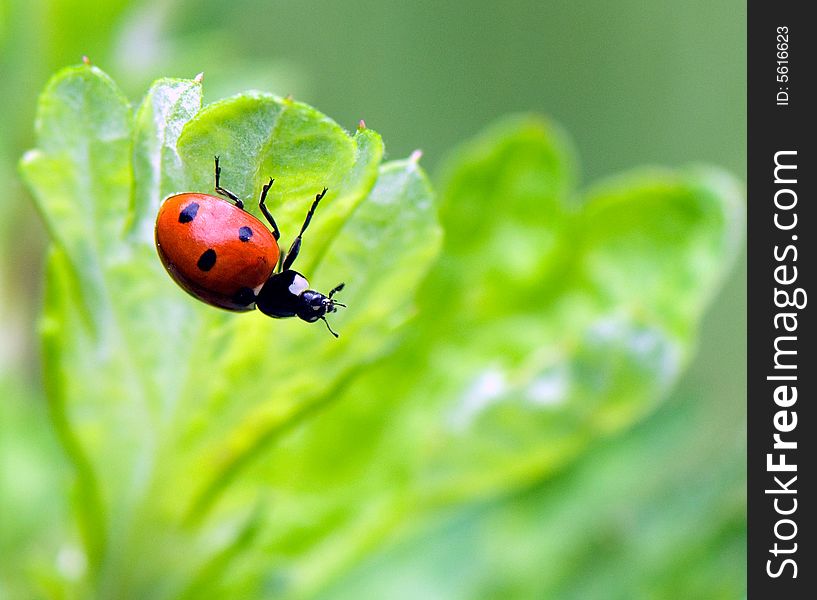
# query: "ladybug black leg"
{"type": "Point", "coordinates": [266, 211]}
{"type": "Point", "coordinates": [327, 326]}
{"type": "Point", "coordinates": [335, 290]}
{"type": "Point", "coordinates": [296, 244]}
{"type": "Point", "coordinates": [224, 192]}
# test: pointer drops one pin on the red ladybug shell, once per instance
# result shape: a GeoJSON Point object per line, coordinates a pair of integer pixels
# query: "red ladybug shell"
{"type": "Point", "coordinates": [214, 250]}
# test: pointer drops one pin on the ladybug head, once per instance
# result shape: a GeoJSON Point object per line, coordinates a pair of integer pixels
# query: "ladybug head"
{"type": "Point", "coordinates": [314, 305]}
{"type": "Point", "coordinates": [287, 294]}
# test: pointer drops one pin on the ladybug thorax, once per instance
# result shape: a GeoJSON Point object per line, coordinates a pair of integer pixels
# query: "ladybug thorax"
{"type": "Point", "coordinates": [287, 294]}
{"type": "Point", "coordinates": [299, 283]}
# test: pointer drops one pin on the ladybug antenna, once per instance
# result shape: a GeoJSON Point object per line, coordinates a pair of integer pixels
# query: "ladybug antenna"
{"type": "Point", "coordinates": [329, 328]}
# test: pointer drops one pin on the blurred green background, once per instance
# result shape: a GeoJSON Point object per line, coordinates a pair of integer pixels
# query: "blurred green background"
{"type": "Point", "coordinates": [634, 83]}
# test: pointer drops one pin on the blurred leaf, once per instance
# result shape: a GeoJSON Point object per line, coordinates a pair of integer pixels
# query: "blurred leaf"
{"type": "Point", "coordinates": [546, 349]}
{"type": "Point", "coordinates": [547, 320]}
{"type": "Point", "coordinates": [617, 524]}
{"type": "Point", "coordinates": [34, 517]}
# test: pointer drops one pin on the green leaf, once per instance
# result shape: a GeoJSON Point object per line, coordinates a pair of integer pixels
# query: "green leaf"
{"type": "Point", "coordinates": [229, 455]}
{"type": "Point", "coordinates": [148, 386]}
{"type": "Point", "coordinates": [79, 174]}
{"type": "Point", "coordinates": [168, 106]}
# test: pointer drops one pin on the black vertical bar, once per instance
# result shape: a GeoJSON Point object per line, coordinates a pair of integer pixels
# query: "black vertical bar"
{"type": "Point", "coordinates": [782, 228]}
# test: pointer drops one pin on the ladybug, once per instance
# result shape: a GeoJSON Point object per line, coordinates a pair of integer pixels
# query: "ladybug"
{"type": "Point", "coordinates": [226, 257]}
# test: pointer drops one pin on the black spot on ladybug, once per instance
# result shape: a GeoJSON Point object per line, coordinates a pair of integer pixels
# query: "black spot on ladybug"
{"type": "Point", "coordinates": [188, 213]}
{"type": "Point", "coordinates": [207, 260]}
{"type": "Point", "coordinates": [244, 297]}
{"type": "Point", "coordinates": [244, 234]}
